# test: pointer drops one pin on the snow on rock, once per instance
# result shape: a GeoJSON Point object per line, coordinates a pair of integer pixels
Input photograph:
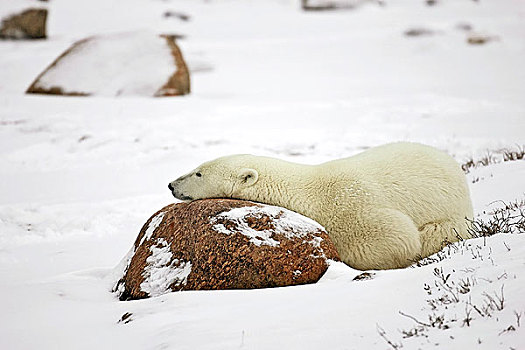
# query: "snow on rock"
{"type": "Point", "coordinates": [284, 222]}
{"type": "Point", "coordinates": [138, 63]}
{"type": "Point", "coordinates": [119, 271]}
{"type": "Point", "coordinates": [223, 244]}
{"type": "Point", "coordinates": [162, 271]}
{"type": "Point", "coordinates": [152, 226]}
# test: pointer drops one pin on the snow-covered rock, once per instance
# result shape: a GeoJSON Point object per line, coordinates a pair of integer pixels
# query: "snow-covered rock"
{"type": "Point", "coordinates": [117, 64]}
{"type": "Point", "coordinates": [224, 244]}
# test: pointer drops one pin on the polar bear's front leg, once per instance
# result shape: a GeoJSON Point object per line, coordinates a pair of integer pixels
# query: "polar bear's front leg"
{"type": "Point", "coordinates": [379, 239]}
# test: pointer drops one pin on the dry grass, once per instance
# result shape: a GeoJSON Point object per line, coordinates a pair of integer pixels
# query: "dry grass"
{"type": "Point", "coordinates": [508, 218]}
{"type": "Point", "coordinates": [494, 157]}
{"type": "Point", "coordinates": [460, 298]}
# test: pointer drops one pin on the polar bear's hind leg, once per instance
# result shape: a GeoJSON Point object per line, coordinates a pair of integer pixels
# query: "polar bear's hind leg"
{"type": "Point", "coordinates": [387, 239]}
{"type": "Point", "coordinates": [436, 235]}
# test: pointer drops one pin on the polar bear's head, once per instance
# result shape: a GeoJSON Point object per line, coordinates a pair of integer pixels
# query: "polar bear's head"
{"type": "Point", "coordinates": [225, 177]}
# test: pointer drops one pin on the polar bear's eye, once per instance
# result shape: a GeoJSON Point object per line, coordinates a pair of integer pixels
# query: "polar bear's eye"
{"type": "Point", "coordinates": [198, 174]}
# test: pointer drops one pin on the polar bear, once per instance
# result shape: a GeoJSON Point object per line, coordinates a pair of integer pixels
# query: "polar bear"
{"type": "Point", "coordinates": [383, 208]}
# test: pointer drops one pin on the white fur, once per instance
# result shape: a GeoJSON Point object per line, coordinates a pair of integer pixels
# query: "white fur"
{"type": "Point", "coordinates": [383, 208]}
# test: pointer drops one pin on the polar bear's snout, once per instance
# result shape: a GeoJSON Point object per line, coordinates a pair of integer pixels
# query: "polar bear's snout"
{"type": "Point", "coordinates": [176, 191]}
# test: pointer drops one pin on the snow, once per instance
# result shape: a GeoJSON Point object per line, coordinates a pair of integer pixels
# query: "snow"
{"type": "Point", "coordinates": [12, 7]}
{"type": "Point", "coordinates": [160, 274]}
{"type": "Point", "coordinates": [480, 276]}
{"type": "Point", "coordinates": [152, 226]}
{"type": "Point", "coordinates": [119, 271]}
{"type": "Point", "coordinates": [80, 176]}
{"type": "Point", "coordinates": [114, 65]}
{"type": "Point", "coordinates": [285, 222]}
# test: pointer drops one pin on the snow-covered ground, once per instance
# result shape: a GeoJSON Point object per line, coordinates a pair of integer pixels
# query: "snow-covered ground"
{"type": "Point", "coordinates": [79, 176]}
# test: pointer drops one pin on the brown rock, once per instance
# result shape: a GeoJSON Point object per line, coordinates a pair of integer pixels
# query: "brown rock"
{"type": "Point", "coordinates": [414, 32]}
{"type": "Point", "coordinates": [179, 82]}
{"type": "Point", "coordinates": [479, 39]}
{"type": "Point", "coordinates": [224, 244]}
{"type": "Point", "coordinates": [30, 24]}
{"type": "Point", "coordinates": [115, 65]}
{"type": "Point", "coordinates": [327, 5]}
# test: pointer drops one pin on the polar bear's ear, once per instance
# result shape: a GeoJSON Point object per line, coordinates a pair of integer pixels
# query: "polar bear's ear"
{"type": "Point", "coordinates": [248, 177]}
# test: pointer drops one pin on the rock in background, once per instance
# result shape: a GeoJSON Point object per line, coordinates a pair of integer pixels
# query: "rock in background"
{"type": "Point", "coordinates": [28, 24]}
{"type": "Point", "coordinates": [119, 64]}
{"type": "Point", "coordinates": [224, 244]}
{"type": "Point", "coordinates": [322, 5]}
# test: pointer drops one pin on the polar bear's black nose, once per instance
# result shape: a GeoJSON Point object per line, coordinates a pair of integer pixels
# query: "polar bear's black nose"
{"type": "Point", "coordinates": [170, 186]}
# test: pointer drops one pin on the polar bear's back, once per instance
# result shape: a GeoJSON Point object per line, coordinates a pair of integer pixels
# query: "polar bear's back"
{"type": "Point", "coordinates": [419, 180]}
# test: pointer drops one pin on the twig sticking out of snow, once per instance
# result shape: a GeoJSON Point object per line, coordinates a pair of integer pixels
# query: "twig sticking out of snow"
{"type": "Point", "coordinates": [510, 218]}
{"type": "Point", "coordinates": [382, 334]}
